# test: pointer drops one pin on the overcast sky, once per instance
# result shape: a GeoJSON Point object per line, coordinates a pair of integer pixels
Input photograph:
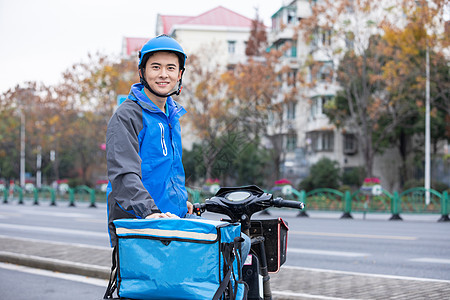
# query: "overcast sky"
{"type": "Point", "coordinates": [39, 39]}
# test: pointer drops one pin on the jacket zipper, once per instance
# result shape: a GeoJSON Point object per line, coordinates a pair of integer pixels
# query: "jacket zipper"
{"type": "Point", "coordinates": [163, 141]}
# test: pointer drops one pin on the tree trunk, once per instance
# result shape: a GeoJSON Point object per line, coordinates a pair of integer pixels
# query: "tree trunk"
{"type": "Point", "coordinates": [403, 153]}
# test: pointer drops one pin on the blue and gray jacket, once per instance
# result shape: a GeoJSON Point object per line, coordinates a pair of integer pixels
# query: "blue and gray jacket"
{"type": "Point", "coordinates": [144, 160]}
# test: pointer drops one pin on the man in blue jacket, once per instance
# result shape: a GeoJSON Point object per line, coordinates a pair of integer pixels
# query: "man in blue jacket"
{"type": "Point", "coordinates": [143, 141]}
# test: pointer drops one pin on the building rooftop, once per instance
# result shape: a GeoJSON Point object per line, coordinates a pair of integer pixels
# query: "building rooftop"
{"type": "Point", "coordinates": [219, 16]}
{"type": "Point", "coordinates": [216, 17]}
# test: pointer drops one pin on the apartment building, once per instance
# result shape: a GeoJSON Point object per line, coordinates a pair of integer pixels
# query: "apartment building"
{"type": "Point", "coordinates": [308, 133]}
{"type": "Point", "coordinates": [220, 31]}
{"type": "Point", "coordinates": [219, 34]}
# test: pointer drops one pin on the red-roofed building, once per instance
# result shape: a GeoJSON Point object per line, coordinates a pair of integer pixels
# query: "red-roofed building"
{"type": "Point", "coordinates": [132, 46]}
{"type": "Point", "coordinates": [220, 31]}
{"type": "Point", "coordinates": [166, 22]}
{"type": "Point", "coordinates": [210, 20]}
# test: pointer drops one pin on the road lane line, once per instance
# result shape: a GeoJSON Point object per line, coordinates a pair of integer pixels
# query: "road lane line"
{"type": "Point", "coordinates": [366, 274]}
{"type": "Point", "coordinates": [53, 230]}
{"type": "Point", "coordinates": [327, 252]}
{"type": "Point", "coordinates": [302, 295]}
{"type": "Point", "coordinates": [99, 221]}
{"type": "Point", "coordinates": [31, 240]}
{"type": "Point", "coordinates": [354, 235]}
{"type": "Point", "coordinates": [5, 215]}
{"type": "Point", "coordinates": [40, 272]}
{"type": "Point", "coordinates": [57, 214]}
{"type": "Point", "coordinates": [431, 260]}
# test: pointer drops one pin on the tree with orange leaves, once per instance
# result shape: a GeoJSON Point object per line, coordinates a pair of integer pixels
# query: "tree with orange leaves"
{"type": "Point", "coordinates": [405, 77]}
{"type": "Point", "coordinates": [68, 119]}
{"type": "Point", "coordinates": [353, 36]}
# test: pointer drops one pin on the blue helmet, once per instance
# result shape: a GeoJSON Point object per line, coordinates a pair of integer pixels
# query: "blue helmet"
{"type": "Point", "coordinates": [162, 43]}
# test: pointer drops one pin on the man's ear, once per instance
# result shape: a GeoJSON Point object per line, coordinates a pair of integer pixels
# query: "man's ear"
{"type": "Point", "coordinates": [180, 74]}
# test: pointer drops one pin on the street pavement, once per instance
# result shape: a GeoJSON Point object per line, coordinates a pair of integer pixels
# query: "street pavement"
{"type": "Point", "coordinates": [290, 283]}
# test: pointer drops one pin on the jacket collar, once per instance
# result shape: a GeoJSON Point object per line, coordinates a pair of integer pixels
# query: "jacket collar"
{"type": "Point", "coordinates": [136, 95]}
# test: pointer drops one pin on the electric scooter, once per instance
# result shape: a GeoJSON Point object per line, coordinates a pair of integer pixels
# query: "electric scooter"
{"type": "Point", "coordinates": [268, 236]}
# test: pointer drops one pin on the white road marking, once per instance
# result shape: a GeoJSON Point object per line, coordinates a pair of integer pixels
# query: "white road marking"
{"type": "Point", "coordinates": [53, 230]}
{"type": "Point", "coordinates": [78, 278]}
{"type": "Point", "coordinates": [327, 252]}
{"type": "Point", "coordinates": [354, 235]}
{"type": "Point", "coordinates": [92, 221]}
{"type": "Point", "coordinates": [366, 274]}
{"type": "Point", "coordinates": [293, 294]}
{"type": "Point", "coordinates": [56, 243]}
{"type": "Point", "coordinates": [56, 214]}
{"type": "Point", "coordinates": [431, 260]}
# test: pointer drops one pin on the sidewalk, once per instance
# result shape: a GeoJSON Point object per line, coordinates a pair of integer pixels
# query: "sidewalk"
{"type": "Point", "coordinates": [290, 283]}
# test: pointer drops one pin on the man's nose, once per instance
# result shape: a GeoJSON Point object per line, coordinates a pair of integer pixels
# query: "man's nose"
{"type": "Point", "coordinates": [163, 73]}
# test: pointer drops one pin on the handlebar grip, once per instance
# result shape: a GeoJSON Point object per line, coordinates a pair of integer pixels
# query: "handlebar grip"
{"type": "Point", "coordinates": [279, 202]}
{"type": "Point", "coordinates": [199, 208]}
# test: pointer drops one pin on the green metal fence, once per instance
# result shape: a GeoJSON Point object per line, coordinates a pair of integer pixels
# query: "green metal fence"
{"type": "Point", "coordinates": [82, 191]}
{"type": "Point", "coordinates": [363, 202]}
{"type": "Point", "coordinates": [409, 201]}
{"type": "Point", "coordinates": [323, 199]}
{"type": "Point", "coordinates": [413, 200]}
{"type": "Point", "coordinates": [50, 193]}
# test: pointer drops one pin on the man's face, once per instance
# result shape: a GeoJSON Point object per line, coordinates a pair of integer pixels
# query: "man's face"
{"type": "Point", "coordinates": [162, 72]}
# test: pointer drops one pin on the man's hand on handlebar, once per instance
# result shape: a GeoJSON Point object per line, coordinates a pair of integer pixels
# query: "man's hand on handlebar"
{"type": "Point", "coordinates": [169, 215]}
{"type": "Point", "coordinates": [190, 207]}
{"type": "Point", "coordinates": [166, 215]}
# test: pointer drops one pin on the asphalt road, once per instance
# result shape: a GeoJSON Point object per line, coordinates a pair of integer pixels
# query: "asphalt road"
{"type": "Point", "coordinates": [416, 247]}
{"type": "Point", "coordinates": [22, 283]}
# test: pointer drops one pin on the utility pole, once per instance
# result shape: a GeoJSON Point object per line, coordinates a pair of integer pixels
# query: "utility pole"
{"type": "Point", "coordinates": [427, 129]}
{"type": "Point", "coordinates": [22, 149]}
{"type": "Point", "coordinates": [38, 167]}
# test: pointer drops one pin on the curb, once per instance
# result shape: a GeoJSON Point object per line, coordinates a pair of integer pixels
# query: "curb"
{"type": "Point", "coordinates": [56, 265]}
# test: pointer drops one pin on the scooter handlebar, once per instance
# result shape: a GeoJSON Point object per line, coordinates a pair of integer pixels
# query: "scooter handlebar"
{"type": "Point", "coordinates": [280, 202]}
{"type": "Point", "coordinates": [199, 208]}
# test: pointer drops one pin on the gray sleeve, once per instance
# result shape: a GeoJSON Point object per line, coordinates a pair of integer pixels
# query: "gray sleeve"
{"type": "Point", "coordinates": [124, 162]}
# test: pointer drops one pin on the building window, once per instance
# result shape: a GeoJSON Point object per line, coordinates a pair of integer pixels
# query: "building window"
{"type": "Point", "coordinates": [294, 49]}
{"type": "Point", "coordinates": [291, 142]}
{"type": "Point", "coordinates": [350, 143]}
{"type": "Point", "coordinates": [321, 140]}
{"type": "Point", "coordinates": [290, 51]}
{"type": "Point", "coordinates": [291, 108]}
{"type": "Point", "coordinates": [231, 47]}
{"type": "Point", "coordinates": [325, 72]}
{"type": "Point", "coordinates": [317, 106]}
{"type": "Point", "coordinates": [350, 40]}
{"type": "Point", "coordinates": [326, 37]}
{"type": "Point", "coordinates": [291, 16]}
{"type": "Point", "coordinates": [292, 77]}
{"type": "Point", "coordinates": [321, 37]}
